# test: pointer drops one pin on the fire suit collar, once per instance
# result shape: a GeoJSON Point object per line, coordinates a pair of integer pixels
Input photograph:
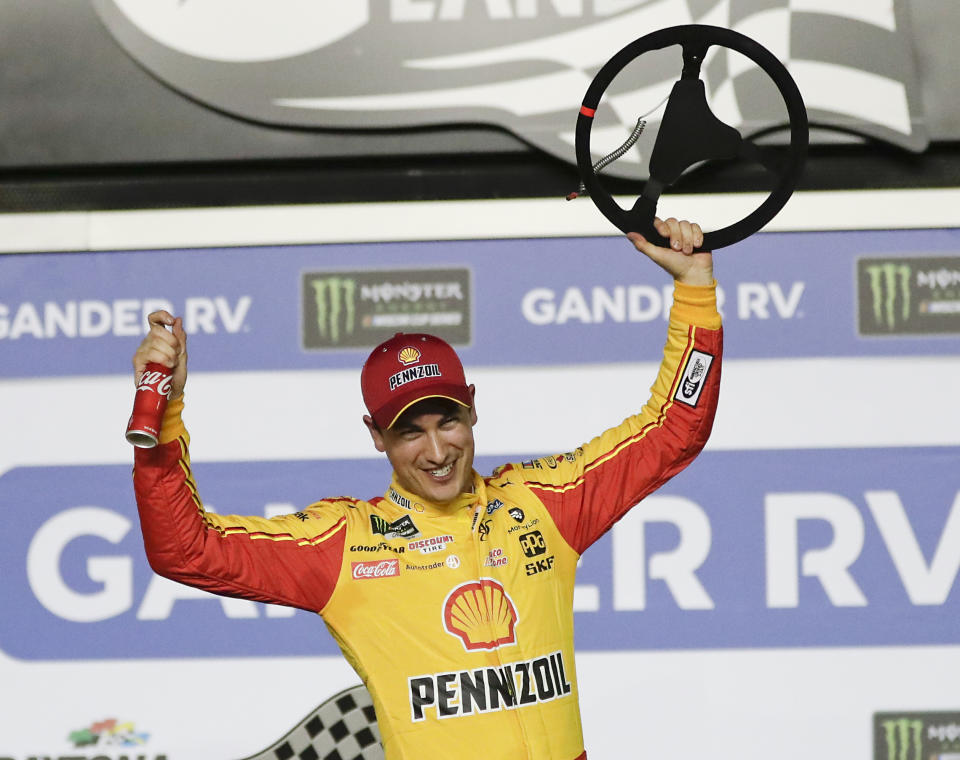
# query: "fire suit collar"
{"type": "Point", "coordinates": [411, 502]}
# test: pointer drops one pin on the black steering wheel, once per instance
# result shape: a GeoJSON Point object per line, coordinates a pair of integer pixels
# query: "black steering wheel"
{"type": "Point", "coordinates": [690, 133]}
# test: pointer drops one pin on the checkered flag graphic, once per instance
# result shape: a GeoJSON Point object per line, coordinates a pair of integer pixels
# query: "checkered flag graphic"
{"type": "Point", "coordinates": [343, 727]}
{"type": "Point", "coordinates": [526, 66]}
{"type": "Point", "coordinates": [852, 62]}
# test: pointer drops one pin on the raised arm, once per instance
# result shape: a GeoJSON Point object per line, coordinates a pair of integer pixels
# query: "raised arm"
{"type": "Point", "coordinates": [293, 560]}
{"type": "Point", "coordinates": [589, 489]}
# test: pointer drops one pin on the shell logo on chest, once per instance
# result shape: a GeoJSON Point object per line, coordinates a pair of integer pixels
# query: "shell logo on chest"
{"type": "Point", "coordinates": [481, 614]}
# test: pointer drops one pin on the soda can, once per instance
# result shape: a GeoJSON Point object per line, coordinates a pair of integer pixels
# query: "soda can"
{"type": "Point", "coordinates": [149, 404]}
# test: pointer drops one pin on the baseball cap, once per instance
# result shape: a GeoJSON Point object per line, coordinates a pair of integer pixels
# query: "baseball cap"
{"type": "Point", "coordinates": [409, 368]}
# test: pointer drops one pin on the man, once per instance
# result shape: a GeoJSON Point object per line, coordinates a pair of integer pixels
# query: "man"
{"type": "Point", "coordinates": [452, 594]}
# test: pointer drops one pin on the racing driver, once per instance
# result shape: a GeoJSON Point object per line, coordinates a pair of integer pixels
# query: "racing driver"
{"type": "Point", "coordinates": [470, 577]}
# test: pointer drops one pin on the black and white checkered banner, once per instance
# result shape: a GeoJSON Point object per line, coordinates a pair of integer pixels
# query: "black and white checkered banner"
{"type": "Point", "coordinates": [343, 727]}
{"type": "Point", "coordinates": [521, 64]}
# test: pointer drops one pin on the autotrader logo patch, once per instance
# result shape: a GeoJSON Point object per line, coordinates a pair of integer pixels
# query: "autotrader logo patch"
{"type": "Point", "coordinates": [361, 309]}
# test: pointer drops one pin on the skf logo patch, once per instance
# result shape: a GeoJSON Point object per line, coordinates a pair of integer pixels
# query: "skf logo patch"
{"type": "Point", "coordinates": [540, 565]}
{"type": "Point", "coordinates": [402, 528]}
{"type": "Point", "coordinates": [481, 614]}
{"type": "Point", "coordinates": [694, 378]}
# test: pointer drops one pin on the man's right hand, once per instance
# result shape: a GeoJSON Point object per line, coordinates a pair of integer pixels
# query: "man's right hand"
{"type": "Point", "coordinates": [164, 347]}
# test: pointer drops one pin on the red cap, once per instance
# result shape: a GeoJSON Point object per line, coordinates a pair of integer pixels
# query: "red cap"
{"type": "Point", "coordinates": [408, 368]}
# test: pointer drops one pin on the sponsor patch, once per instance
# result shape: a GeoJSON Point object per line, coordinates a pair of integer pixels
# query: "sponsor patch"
{"type": "Point", "coordinates": [539, 566]}
{"type": "Point", "coordinates": [361, 308]}
{"type": "Point", "coordinates": [430, 545]}
{"type": "Point", "coordinates": [916, 735]}
{"type": "Point", "coordinates": [383, 546]}
{"type": "Point", "coordinates": [524, 526]}
{"type": "Point", "coordinates": [399, 499]}
{"type": "Point", "coordinates": [489, 689]}
{"type": "Point", "coordinates": [408, 355]}
{"type": "Point", "coordinates": [402, 528]}
{"type": "Point", "coordinates": [484, 530]}
{"type": "Point", "coordinates": [410, 374]}
{"type": "Point", "coordinates": [693, 379]}
{"type": "Point", "coordinates": [495, 558]}
{"type": "Point", "coordinates": [493, 506]}
{"type": "Point", "coordinates": [908, 296]}
{"type": "Point", "coordinates": [533, 543]}
{"type": "Point", "coordinates": [384, 568]}
{"type": "Point", "coordinates": [481, 614]}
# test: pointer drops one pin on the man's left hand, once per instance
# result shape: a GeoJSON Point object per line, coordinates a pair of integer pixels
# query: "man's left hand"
{"type": "Point", "coordinates": [678, 260]}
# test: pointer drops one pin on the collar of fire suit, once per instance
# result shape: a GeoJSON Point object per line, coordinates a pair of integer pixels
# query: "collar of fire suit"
{"type": "Point", "coordinates": [411, 502]}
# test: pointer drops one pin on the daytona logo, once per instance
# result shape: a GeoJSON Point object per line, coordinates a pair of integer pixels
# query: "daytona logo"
{"type": "Point", "coordinates": [385, 568]}
{"type": "Point", "coordinates": [516, 684]}
{"type": "Point", "coordinates": [414, 373]}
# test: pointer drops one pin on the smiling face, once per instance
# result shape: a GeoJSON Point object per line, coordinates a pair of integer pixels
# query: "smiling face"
{"type": "Point", "coordinates": [431, 448]}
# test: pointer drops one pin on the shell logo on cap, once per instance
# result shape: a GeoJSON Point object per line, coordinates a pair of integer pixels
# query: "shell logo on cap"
{"type": "Point", "coordinates": [481, 614]}
{"type": "Point", "coordinates": [409, 355]}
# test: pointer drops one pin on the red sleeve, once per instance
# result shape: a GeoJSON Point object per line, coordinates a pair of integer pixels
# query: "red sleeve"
{"type": "Point", "coordinates": [586, 491]}
{"type": "Point", "coordinates": [293, 560]}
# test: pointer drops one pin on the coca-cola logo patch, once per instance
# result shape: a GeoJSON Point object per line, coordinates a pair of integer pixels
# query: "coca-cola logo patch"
{"type": "Point", "coordinates": [156, 381]}
{"type": "Point", "coordinates": [384, 568]}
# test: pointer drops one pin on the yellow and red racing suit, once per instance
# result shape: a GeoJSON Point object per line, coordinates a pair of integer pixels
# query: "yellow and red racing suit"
{"type": "Point", "coordinates": [478, 594]}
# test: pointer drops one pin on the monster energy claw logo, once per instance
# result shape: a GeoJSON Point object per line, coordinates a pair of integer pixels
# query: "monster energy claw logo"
{"type": "Point", "coordinates": [916, 735]}
{"type": "Point", "coordinates": [909, 296]}
{"type": "Point", "coordinates": [904, 739]}
{"type": "Point", "coordinates": [890, 293]}
{"type": "Point", "coordinates": [336, 306]}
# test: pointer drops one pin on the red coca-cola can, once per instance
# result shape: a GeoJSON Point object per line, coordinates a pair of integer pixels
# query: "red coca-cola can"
{"type": "Point", "coordinates": [149, 404]}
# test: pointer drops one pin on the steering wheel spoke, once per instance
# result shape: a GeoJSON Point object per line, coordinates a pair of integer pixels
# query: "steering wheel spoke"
{"type": "Point", "coordinates": [769, 158]}
{"type": "Point", "coordinates": [690, 133]}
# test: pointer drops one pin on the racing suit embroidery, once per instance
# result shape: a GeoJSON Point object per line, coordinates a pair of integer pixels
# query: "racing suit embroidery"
{"type": "Point", "coordinates": [493, 675]}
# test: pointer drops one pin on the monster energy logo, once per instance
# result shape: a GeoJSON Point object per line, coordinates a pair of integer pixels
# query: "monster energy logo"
{"type": "Point", "coordinates": [916, 735]}
{"type": "Point", "coordinates": [890, 293]}
{"type": "Point", "coordinates": [909, 296]}
{"type": "Point", "coordinates": [363, 307]}
{"type": "Point", "coordinates": [335, 299]}
{"type": "Point", "coordinates": [903, 738]}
